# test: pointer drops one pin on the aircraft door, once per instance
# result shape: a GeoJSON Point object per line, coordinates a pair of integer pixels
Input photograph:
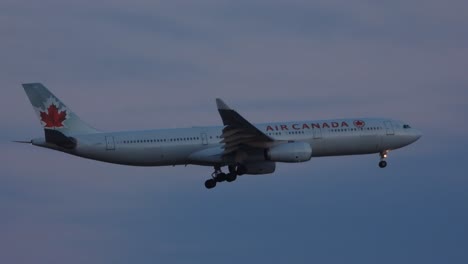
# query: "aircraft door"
{"type": "Point", "coordinates": [110, 143]}
{"type": "Point", "coordinates": [389, 128]}
{"type": "Point", "coordinates": [204, 138]}
{"type": "Point", "coordinates": [317, 133]}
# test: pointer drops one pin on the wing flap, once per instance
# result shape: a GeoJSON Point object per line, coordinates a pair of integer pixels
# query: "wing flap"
{"type": "Point", "coordinates": [236, 138]}
{"type": "Point", "coordinates": [238, 131]}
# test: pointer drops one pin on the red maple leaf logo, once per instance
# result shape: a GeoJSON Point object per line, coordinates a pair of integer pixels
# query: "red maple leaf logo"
{"type": "Point", "coordinates": [359, 123]}
{"type": "Point", "coordinates": [53, 118]}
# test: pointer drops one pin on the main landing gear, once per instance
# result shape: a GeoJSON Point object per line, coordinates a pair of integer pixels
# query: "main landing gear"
{"type": "Point", "coordinates": [383, 156]}
{"type": "Point", "coordinates": [219, 176]}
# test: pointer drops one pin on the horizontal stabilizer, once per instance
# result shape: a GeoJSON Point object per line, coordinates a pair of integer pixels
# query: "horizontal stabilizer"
{"type": "Point", "coordinates": [23, 141]}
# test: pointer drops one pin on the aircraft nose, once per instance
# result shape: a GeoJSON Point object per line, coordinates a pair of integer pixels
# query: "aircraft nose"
{"type": "Point", "coordinates": [416, 134]}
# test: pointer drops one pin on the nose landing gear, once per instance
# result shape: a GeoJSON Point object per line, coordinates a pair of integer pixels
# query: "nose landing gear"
{"type": "Point", "coordinates": [219, 176]}
{"type": "Point", "coordinates": [383, 156]}
{"type": "Point", "coordinates": [382, 164]}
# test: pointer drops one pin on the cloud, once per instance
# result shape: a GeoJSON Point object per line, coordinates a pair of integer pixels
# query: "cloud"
{"type": "Point", "coordinates": [156, 64]}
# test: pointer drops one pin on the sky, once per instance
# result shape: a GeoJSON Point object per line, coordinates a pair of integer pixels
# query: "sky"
{"type": "Point", "coordinates": [128, 65]}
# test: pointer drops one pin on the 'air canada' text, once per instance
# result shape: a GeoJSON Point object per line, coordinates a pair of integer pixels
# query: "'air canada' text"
{"type": "Point", "coordinates": [306, 126]}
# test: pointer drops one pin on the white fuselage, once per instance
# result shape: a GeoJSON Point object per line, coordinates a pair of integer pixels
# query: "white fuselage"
{"type": "Point", "coordinates": [202, 146]}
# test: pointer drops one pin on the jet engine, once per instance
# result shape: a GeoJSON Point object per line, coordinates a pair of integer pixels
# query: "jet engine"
{"type": "Point", "coordinates": [289, 152]}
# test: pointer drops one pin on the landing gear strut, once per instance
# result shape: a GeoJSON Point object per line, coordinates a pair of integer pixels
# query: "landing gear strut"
{"type": "Point", "coordinates": [383, 156]}
{"type": "Point", "coordinates": [219, 176]}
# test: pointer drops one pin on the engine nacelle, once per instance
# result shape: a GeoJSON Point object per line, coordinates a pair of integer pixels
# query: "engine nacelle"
{"type": "Point", "coordinates": [258, 167]}
{"type": "Point", "coordinates": [289, 152]}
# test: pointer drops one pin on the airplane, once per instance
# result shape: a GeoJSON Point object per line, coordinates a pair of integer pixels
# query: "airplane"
{"type": "Point", "coordinates": [244, 148]}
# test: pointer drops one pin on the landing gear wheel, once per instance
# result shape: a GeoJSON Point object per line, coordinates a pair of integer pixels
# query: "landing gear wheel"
{"type": "Point", "coordinates": [221, 177]}
{"type": "Point", "coordinates": [231, 177]}
{"type": "Point", "coordinates": [382, 164]}
{"type": "Point", "coordinates": [209, 184]}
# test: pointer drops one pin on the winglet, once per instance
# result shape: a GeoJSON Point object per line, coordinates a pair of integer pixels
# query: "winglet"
{"type": "Point", "coordinates": [222, 105]}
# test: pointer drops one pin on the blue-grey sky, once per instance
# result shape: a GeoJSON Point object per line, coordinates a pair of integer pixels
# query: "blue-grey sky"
{"type": "Point", "coordinates": [124, 65]}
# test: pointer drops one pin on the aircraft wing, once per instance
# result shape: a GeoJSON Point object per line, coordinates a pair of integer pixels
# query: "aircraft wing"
{"type": "Point", "coordinates": [237, 130]}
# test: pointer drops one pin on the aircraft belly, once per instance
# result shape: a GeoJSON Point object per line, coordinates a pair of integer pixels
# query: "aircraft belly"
{"type": "Point", "coordinates": [346, 145]}
{"type": "Point", "coordinates": [138, 156]}
{"type": "Point", "coordinates": [393, 142]}
{"type": "Point", "coordinates": [177, 155]}
{"type": "Point", "coordinates": [369, 144]}
{"type": "Point", "coordinates": [126, 156]}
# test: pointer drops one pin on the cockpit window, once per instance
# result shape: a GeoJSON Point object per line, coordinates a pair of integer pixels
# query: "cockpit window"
{"type": "Point", "coordinates": [406, 126]}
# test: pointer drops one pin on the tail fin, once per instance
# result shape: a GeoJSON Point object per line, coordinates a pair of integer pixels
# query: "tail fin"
{"type": "Point", "coordinates": [52, 113]}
